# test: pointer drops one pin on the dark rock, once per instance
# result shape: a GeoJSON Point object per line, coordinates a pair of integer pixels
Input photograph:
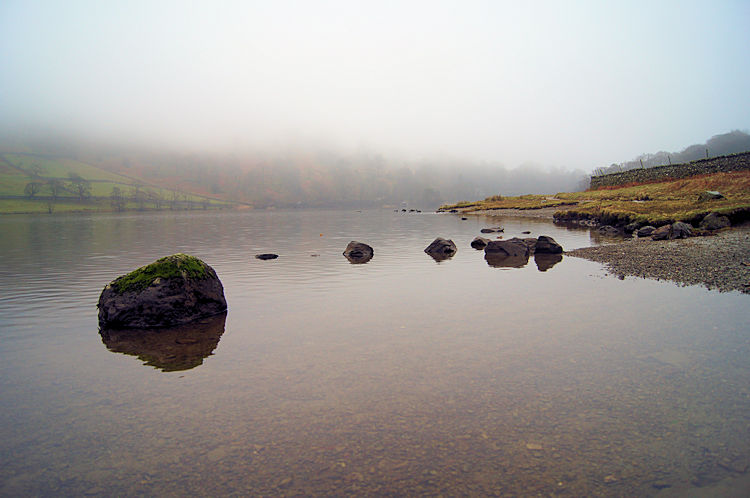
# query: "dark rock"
{"type": "Point", "coordinates": [677, 230]}
{"type": "Point", "coordinates": [632, 227]}
{"type": "Point", "coordinates": [680, 230]}
{"type": "Point", "coordinates": [661, 233]}
{"type": "Point", "coordinates": [546, 261]}
{"type": "Point", "coordinates": [512, 247]}
{"type": "Point", "coordinates": [266, 256]}
{"type": "Point", "coordinates": [441, 249]}
{"type": "Point", "coordinates": [547, 245]}
{"type": "Point", "coordinates": [358, 252]}
{"type": "Point", "coordinates": [511, 253]}
{"type": "Point", "coordinates": [714, 221]}
{"type": "Point", "coordinates": [526, 232]}
{"type": "Point", "coordinates": [464, 218]}
{"type": "Point", "coordinates": [530, 243]}
{"type": "Point", "coordinates": [479, 242]}
{"type": "Point", "coordinates": [709, 195]}
{"type": "Point", "coordinates": [608, 231]}
{"type": "Point", "coordinates": [171, 291]}
{"type": "Point", "coordinates": [172, 348]}
{"type": "Point", "coordinates": [492, 230]}
{"type": "Point", "coordinates": [645, 231]}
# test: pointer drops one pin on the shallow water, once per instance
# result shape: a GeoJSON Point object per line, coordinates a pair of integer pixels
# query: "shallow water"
{"type": "Point", "coordinates": [402, 376]}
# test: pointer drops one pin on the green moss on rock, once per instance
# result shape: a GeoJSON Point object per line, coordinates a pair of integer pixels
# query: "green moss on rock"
{"type": "Point", "coordinates": [174, 266]}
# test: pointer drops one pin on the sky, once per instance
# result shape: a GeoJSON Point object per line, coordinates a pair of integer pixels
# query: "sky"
{"type": "Point", "coordinates": [565, 84]}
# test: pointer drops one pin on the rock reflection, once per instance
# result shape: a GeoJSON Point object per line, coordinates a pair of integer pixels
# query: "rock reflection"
{"type": "Point", "coordinates": [169, 349]}
{"type": "Point", "coordinates": [502, 260]}
{"type": "Point", "coordinates": [546, 261]}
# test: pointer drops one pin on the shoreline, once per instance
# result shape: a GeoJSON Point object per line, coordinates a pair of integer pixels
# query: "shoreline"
{"type": "Point", "coordinates": [718, 262]}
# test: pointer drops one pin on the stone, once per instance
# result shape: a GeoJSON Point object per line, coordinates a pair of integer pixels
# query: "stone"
{"type": "Point", "coordinates": [608, 231]}
{"type": "Point", "coordinates": [492, 230]}
{"type": "Point", "coordinates": [709, 195]}
{"type": "Point", "coordinates": [661, 233]}
{"type": "Point", "coordinates": [631, 227]}
{"type": "Point", "coordinates": [441, 249]}
{"type": "Point", "coordinates": [511, 247]}
{"type": "Point", "coordinates": [511, 253]}
{"type": "Point", "coordinates": [266, 256]}
{"type": "Point", "coordinates": [358, 252]}
{"type": "Point", "coordinates": [479, 242]}
{"type": "Point", "coordinates": [714, 221]}
{"type": "Point", "coordinates": [645, 231]}
{"type": "Point", "coordinates": [171, 291]}
{"type": "Point", "coordinates": [680, 230]}
{"type": "Point", "coordinates": [547, 245]}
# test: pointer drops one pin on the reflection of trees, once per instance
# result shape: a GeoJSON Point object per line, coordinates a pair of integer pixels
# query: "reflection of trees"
{"type": "Point", "coordinates": [169, 349]}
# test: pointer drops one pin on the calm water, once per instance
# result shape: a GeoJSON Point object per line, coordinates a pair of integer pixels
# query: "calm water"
{"type": "Point", "coordinates": [401, 376]}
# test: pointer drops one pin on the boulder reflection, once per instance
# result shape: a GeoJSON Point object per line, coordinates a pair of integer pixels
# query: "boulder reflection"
{"type": "Point", "coordinates": [546, 261]}
{"type": "Point", "coordinates": [169, 349]}
{"type": "Point", "coordinates": [502, 260]}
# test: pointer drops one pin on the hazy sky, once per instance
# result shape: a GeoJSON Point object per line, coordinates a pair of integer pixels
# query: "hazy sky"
{"type": "Point", "coordinates": [560, 83]}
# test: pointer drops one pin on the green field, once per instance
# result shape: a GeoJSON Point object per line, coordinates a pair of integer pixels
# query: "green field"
{"type": "Point", "coordinates": [17, 171]}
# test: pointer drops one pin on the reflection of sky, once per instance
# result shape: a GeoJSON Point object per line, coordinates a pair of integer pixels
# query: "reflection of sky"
{"type": "Point", "coordinates": [399, 356]}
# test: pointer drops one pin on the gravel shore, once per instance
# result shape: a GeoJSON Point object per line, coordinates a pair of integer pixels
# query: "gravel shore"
{"type": "Point", "coordinates": [720, 261]}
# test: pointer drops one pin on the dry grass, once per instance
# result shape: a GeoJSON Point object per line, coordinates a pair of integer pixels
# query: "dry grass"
{"type": "Point", "coordinates": [657, 202]}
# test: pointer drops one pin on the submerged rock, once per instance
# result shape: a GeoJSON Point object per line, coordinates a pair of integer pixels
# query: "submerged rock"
{"type": "Point", "coordinates": [266, 256]}
{"type": "Point", "coordinates": [441, 249]}
{"type": "Point", "coordinates": [358, 252]}
{"type": "Point", "coordinates": [171, 291]}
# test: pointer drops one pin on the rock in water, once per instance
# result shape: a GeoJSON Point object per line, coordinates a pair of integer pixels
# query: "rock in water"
{"type": "Point", "coordinates": [173, 290]}
{"type": "Point", "coordinates": [479, 242]}
{"type": "Point", "coordinates": [358, 252]}
{"type": "Point", "coordinates": [547, 245]}
{"type": "Point", "coordinates": [441, 249]}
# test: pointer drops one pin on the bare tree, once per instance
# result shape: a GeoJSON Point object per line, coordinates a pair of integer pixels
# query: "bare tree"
{"type": "Point", "coordinates": [79, 186]}
{"type": "Point", "coordinates": [32, 188]}
{"type": "Point", "coordinates": [117, 200]}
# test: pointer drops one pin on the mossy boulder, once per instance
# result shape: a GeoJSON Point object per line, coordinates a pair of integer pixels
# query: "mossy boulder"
{"type": "Point", "coordinates": [171, 291]}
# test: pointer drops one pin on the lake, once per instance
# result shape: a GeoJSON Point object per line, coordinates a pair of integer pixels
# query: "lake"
{"type": "Point", "coordinates": [401, 376]}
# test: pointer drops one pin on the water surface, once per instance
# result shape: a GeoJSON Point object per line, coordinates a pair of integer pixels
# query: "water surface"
{"type": "Point", "coordinates": [402, 376]}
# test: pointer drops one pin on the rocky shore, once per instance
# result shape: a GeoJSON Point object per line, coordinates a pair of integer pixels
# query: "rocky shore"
{"type": "Point", "coordinates": [720, 261]}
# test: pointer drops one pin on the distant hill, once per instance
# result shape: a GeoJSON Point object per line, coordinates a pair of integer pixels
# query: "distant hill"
{"type": "Point", "coordinates": [718, 145]}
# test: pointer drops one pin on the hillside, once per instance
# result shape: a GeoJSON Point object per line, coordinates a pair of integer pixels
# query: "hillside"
{"type": "Point", "coordinates": [46, 183]}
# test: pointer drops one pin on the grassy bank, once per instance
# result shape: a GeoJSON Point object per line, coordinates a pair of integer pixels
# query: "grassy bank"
{"type": "Point", "coordinates": [653, 203]}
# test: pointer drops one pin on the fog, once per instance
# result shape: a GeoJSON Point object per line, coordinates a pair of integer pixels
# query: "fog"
{"type": "Point", "coordinates": [562, 86]}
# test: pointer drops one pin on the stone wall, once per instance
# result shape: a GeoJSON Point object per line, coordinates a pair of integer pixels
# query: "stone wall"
{"type": "Point", "coordinates": [732, 162]}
